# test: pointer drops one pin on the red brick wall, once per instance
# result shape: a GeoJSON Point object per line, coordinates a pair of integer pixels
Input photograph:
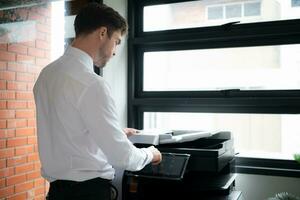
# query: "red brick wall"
{"type": "Point", "coordinates": [20, 64]}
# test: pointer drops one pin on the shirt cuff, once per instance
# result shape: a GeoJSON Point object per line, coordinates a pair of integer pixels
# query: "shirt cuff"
{"type": "Point", "coordinates": [149, 156]}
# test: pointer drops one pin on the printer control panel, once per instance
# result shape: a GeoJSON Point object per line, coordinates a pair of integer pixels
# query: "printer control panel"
{"type": "Point", "coordinates": [172, 167]}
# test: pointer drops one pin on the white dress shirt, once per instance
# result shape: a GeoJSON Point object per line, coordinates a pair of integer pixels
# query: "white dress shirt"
{"type": "Point", "coordinates": [79, 137]}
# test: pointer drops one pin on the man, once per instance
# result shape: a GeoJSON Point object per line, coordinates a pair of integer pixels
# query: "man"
{"type": "Point", "coordinates": [79, 138]}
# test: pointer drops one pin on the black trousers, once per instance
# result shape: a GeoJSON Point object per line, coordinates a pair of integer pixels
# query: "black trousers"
{"type": "Point", "coordinates": [93, 189]}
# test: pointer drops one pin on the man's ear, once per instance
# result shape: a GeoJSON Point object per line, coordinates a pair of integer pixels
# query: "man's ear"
{"type": "Point", "coordinates": [102, 31]}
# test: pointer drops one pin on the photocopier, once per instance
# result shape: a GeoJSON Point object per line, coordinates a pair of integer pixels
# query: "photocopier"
{"type": "Point", "coordinates": [194, 164]}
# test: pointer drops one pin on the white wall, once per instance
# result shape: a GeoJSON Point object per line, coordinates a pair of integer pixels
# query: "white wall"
{"type": "Point", "coordinates": [115, 72]}
{"type": "Point", "coordinates": [254, 187]}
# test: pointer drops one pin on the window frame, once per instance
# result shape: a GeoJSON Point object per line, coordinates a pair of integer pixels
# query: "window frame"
{"type": "Point", "coordinates": [224, 101]}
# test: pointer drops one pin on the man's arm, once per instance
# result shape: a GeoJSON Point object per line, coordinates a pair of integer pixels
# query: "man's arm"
{"type": "Point", "coordinates": [98, 113]}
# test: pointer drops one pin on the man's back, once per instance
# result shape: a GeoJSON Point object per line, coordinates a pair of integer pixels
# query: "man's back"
{"type": "Point", "coordinates": [66, 146]}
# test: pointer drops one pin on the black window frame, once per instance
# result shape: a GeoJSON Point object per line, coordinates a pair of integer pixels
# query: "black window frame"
{"type": "Point", "coordinates": [224, 101]}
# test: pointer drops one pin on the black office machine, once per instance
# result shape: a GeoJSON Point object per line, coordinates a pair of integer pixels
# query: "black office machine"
{"type": "Point", "coordinates": [203, 167]}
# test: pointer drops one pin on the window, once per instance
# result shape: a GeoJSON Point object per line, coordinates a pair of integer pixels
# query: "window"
{"type": "Point", "coordinates": [201, 13]}
{"type": "Point", "coordinates": [251, 68]}
{"type": "Point", "coordinates": [192, 66]}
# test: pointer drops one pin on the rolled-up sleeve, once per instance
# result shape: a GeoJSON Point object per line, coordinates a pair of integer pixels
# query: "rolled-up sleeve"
{"type": "Point", "coordinates": [98, 112]}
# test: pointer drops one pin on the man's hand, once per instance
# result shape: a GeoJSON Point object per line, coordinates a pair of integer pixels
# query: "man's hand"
{"type": "Point", "coordinates": [156, 155]}
{"type": "Point", "coordinates": [130, 131]}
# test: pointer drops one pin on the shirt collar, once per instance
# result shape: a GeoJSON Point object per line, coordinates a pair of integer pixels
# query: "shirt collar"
{"type": "Point", "coordinates": [81, 55]}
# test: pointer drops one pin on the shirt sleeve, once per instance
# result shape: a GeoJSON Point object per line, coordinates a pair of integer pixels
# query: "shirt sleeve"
{"type": "Point", "coordinates": [99, 115]}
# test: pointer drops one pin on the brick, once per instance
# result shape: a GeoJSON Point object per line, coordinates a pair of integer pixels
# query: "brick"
{"type": "Point", "coordinates": [2, 182]}
{"type": "Point", "coordinates": [25, 114]}
{"type": "Point", "coordinates": [32, 140]}
{"type": "Point", "coordinates": [24, 187]}
{"type": "Point", "coordinates": [37, 165]}
{"type": "Point", "coordinates": [16, 123]}
{"type": "Point", "coordinates": [39, 191]}
{"type": "Point", "coordinates": [48, 55]}
{"type": "Point", "coordinates": [42, 61]}
{"type": "Point", "coordinates": [25, 132]}
{"type": "Point", "coordinates": [3, 124]}
{"type": "Point", "coordinates": [16, 104]}
{"type": "Point", "coordinates": [21, 196]}
{"type": "Point", "coordinates": [7, 133]}
{"type": "Point", "coordinates": [31, 123]}
{"type": "Point", "coordinates": [24, 95]}
{"type": "Point", "coordinates": [29, 44]}
{"type": "Point", "coordinates": [44, 11]}
{"type": "Point", "coordinates": [15, 179]}
{"type": "Point", "coordinates": [24, 168]}
{"type": "Point", "coordinates": [34, 69]}
{"type": "Point", "coordinates": [14, 142]}
{"type": "Point", "coordinates": [7, 114]}
{"type": "Point", "coordinates": [14, 161]}
{"type": "Point", "coordinates": [6, 153]}
{"type": "Point", "coordinates": [17, 48]}
{"type": "Point", "coordinates": [3, 104]}
{"type": "Point", "coordinates": [43, 28]}
{"type": "Point", "coordinates": [40, 36]}
{"type": "Point", "coordinates": [25, 58]}
{"type": "Point", "coordinates": [7, 56]}
{"type": "Point", "coordinates": [7, 95]}
{"type": "Point", "coordinates": [3, 65]}
{"type": "Point", "coordinates": [2, 163]}
{"type": "Point", "coordinates": [6, 172]}
{"type": "Point", "coordinates": [36, 17]}
{"type": "Point", "coordinates": [7, 75]}
{"type": "Point", "coordinates": [7, 191]}
{"type": "Point", "coordinates": [10, 133]}
{"type": "Point", "coordinates": [33, 175]}
{"type": "Point", "coordinates": [36, 52]}
{"type": "Point", "coordinates": [30, 86]}
{"type": "Point", "coordinates": [2, 144]}
{"type": "Point", "coordinates": [43, 45]}
{"type": "Point", "coordinates": [24, 150]}
{"type": "Point", "coordinates": [12, 85]}
{"type": "Point", "coordinates": [2, 84]}
{"type": "Point", "coordinates": [25, 77]}
{"type": "Point", "coordinates": [41, 197]}
{"type": "Point", "coordinates": [33, 157]}
{"type": "Point", "coordinates": [3, 46]}
{"type": "Point", "coordinates": [16, 67]}
{"type": "Point", "coordinates": [31, 104]}
{"type": "Point", "coordinates": [39, 182]}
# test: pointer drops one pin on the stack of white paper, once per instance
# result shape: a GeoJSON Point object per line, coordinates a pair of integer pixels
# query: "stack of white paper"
{"type": "Point", "coordinates": [150, 136]}
{"type": "Point", "coordinates": [186, 137]}
{"type": "Point", "coordinates": [159, 136]}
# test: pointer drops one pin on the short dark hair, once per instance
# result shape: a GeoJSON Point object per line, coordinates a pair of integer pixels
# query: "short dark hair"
{"type": "Point", "coordinates": [95, 15]}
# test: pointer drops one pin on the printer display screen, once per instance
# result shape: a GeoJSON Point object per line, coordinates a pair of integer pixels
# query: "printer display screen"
{"type": "Point", "coordinates": [172, 166]}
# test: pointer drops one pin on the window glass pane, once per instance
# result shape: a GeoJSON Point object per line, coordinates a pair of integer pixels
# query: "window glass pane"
{"type": "Point", "coordinates": [252, 9]}
{"type": "Point", "coordinates": [295, 3]}
{"type": "Point", "coordinates": [233, 11]}
{"type": "Point", "coordinates": [208, 13]}
{"type": "Point", "coordinates": [215, 12]}
{"type": "Point", "coordinates": [247, 68]}
{"type": "Point", "coordinates": [254, 134]}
